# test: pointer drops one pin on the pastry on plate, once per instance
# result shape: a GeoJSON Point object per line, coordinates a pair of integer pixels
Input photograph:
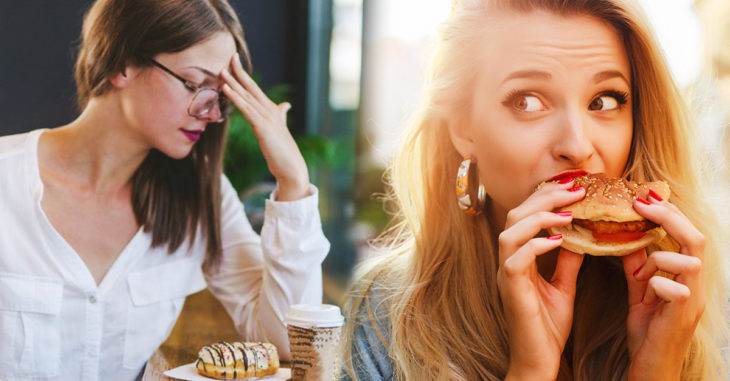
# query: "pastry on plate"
{"type": "Point", "coordinates": [235, 361]}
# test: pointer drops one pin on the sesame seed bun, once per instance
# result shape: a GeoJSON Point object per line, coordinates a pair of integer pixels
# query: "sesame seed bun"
{"type": "Point", "coordinates": [608, 199]}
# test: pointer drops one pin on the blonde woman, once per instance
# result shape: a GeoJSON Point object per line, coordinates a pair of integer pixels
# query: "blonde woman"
{"type": "Point", "coordinates": [522, 92]}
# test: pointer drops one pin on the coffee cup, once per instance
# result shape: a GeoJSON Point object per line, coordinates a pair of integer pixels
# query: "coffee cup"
{"type": "Point", "coordinates": [314, 337]}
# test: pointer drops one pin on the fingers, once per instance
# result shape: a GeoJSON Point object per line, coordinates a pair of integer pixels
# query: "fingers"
{"type": "Point", "coordinates": [661, 288]}
{"type": "Point", "coordinates": [533, 215]}
{"type": "Point", "coordinates": [238, 88]}
{"type": "Point", "coordinates": [551, 196]}
{"type": "Point", "coordinates": [520, 263]}
{"type": "Point", "coordinates": [248, 97]}
{"type": "Point", "coordinates": [684, 294]}
{"type": "Point", "coordinates": [284, 107]}
{"type": "Point", "coordinates": [241, 76]}
{"type": "Point", "coordinates": [566, 271]}
{"type": "Point", "coordinates": [524, 230]}
{"type": "Point", "coordinates": [676, 224]}
{"type": "Point", "coordinates": [240, 92]}
{"type": "Point", "coordinates": [686, 268]}
{"type": "Point", "coordinates": [254, 110]}
{"type": "Point", "coordinates": [248, 110]}
{"type": "Point", "coordinates": [688, 282]}
{"type": "Point", "coordinates": [631, 264]}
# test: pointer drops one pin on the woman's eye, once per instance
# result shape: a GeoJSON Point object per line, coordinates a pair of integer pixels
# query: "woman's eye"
{"type": "Point", "coordinates": [528, 103]}
{"type": "Point", "coordinates": [604, 103]}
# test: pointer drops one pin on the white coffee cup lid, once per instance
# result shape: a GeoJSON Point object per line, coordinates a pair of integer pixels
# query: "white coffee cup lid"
{"type": "Point", "coordinates": [315, 315]}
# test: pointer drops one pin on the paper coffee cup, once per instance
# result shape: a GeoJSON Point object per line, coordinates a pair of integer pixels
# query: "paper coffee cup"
{"type": "Point", "coordinates": [314, 337]}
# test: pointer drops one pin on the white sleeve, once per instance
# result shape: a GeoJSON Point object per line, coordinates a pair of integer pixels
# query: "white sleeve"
{"type": "Point", "coordinates": [260, 277]}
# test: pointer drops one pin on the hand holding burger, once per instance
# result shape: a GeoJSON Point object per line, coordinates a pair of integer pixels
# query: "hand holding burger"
{"type": "Point", "coordinates": [605, 222]}
{"type": "Point", "coordinates": [620, 218]}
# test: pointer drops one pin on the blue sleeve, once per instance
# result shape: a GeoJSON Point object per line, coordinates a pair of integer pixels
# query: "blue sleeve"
{"type": "Point", "coordinates": [370, 358]}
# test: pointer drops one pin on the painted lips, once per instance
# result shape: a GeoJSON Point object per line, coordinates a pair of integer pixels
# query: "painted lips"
{"type": "Point", "coordinates": [569, 174]}
{"type": "Point", "coordinates": [194, 136]}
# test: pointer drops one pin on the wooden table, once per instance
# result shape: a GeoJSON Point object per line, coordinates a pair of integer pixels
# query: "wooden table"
{"type": "Point", "coordinates": [202, 321]}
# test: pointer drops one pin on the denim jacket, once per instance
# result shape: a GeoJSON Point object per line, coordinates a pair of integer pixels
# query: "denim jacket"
{"type": "Point", "coordinates": [370, 357]}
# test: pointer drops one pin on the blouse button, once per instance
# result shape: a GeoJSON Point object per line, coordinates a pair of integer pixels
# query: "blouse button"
{"type": "Point", "coordinates": [92, 299]}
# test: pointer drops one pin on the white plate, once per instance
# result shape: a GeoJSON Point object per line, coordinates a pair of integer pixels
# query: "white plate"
{"type": "Point", "coordinates": [188, 372]}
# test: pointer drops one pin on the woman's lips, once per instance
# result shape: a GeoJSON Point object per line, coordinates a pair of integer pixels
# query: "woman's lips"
{"type": "Point", "coordinates": [194, 136]}
{"type": "Point", "coordinates": [568, 174]}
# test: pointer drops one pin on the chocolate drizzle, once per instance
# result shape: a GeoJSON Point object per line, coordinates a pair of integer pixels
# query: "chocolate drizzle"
{"type": "Point", "coordinates": [263, 355]}
{"type": "Point", "coordinates": [220, 354]}
{"type": "Point", "coordinates": [212, 357]}
{"type": "Point", "coordinates": [230, 348]}
{"type": "Point", "coordinates": [245, 358]}
{"type": "Point", "coordinates": [199, 362]}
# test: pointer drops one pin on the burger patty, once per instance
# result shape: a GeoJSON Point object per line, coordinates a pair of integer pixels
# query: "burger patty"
{"type": "Point", "coordinates": [607, 227]}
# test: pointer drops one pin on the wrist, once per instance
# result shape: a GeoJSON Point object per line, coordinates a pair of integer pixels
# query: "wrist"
{"type": "Point", "coordinates": [646, 375]}
{"type": "Point", "coordinates": [652, 364]}
{"type": "Point", "coordinates": [291, 190]}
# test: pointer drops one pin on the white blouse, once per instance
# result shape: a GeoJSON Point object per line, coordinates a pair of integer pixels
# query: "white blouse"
{"type": "Point", "coordinates": [56, 323]}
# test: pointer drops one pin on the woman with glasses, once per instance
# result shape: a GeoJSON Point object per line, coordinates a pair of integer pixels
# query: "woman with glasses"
{"type": "Point", "coordinates": [109, 222]}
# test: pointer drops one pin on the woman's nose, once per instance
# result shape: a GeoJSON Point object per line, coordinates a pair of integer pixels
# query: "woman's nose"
{"type": "Point", "coordinates": [213, 112]}
{"type": "Point", "coordinates": [572, 140]}
{"type": "Point", "coordinates": [216, 113]}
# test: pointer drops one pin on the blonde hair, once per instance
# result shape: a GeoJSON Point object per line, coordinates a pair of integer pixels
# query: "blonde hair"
{"type": "Point", "coordinates": [438, 279]}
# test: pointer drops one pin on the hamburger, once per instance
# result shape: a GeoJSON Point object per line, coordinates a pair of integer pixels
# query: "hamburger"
{"type": "Point", "coordinates": [605, 222]}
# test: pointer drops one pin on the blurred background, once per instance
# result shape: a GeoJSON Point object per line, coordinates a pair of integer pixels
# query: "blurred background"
{"type": "Point", "coordinates": [352, 70]}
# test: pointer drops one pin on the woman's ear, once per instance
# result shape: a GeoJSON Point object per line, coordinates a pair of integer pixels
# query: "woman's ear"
{"type": "Point", "coordinates": [461, 136]}
{"type": "Point", "coordinates": [121, 78]}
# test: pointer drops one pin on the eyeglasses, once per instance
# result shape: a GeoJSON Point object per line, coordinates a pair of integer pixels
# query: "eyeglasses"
{"type": "Point", "coordinates": [204, 102]}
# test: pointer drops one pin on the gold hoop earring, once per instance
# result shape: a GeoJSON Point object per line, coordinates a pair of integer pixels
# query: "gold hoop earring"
{"type": "Point", "coordinates": [464, 196]}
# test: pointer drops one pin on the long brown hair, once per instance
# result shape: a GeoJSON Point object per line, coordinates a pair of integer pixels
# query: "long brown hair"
{"type": "Point", "coordinates": [438, 281]}
{"type": "Point", "coordinates": [171, 198]}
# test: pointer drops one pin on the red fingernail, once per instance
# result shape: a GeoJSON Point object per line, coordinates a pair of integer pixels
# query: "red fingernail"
{"type": "Point", "coordinates": [564, 214]}
{"type": "Point", "coordinates": [575, 189]}
{"type": "Point", "coordinates": [555, 237]}
{"type": "Point", "coordinates": [655, 196]}
{"type": "Point", "coordinates": [566, 180]}
{"type": "Point", "coordinates": [641, 200]}
{"type": "Point", "coordinates": [639, 269]}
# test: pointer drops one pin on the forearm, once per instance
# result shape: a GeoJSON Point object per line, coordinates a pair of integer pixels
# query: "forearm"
{"type": "Point", "coordinates": [265, 320]}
